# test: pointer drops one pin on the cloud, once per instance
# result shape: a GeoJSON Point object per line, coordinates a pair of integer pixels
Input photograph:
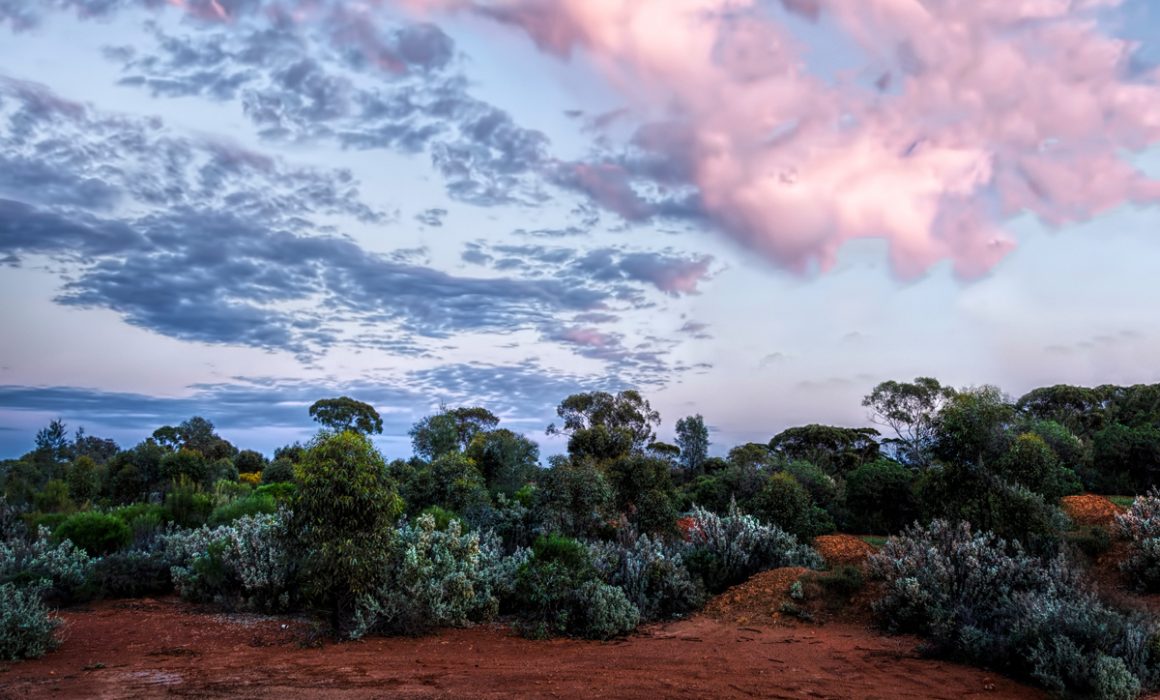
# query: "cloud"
{"type": "Point", "coordinates": [431, 217]}
{"type": "Point", "coordinates": [961, 116]}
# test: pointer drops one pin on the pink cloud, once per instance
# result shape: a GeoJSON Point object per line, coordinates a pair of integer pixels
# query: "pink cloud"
{"type": "Point", "coordinates": [983, 109]}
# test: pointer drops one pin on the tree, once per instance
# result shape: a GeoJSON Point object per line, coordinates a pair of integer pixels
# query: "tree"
{"type": "Point", "coordinates": [450, 430]}
{"type": "Point", "coordinates": [344, 510]}
{"type": "Point", "coordinates": [785, 503]}
{"type": "Point", "coordinates": [1031, 463]}
{"type": "Point", "coordinates": [605, 426]}
{"type": "Point", "coordinates": [84, 480]}
{"type": "Point", "coordinates": [52, 444]}
{"type": "Point", "coordinates": [196, 434]}
{"type": "Point", "coordinates": [100, 450]}
{"type": "Point", "coordinates": [836, 450]}
{"type": "Point", "coordinates": [1079, 409]}
{"type": "Point", "coordinates": [344, 413]}
{"type": "Point", "coordinates": [644, 491]}
{"type": "Point", "coordinates": [573, 497]}
{"type": "Point", "coordinates": [909, 409]}
{"type": "Point", "coordinates": [880, 497]}
{"type": "Point", "coordinates": [249, 462]}
{"type": "Point", "coordinates": [507, 460]}
{"type": "Point", "coordinates": [693, 439]}
{"type": "Point", "coordinates": [973, 426]}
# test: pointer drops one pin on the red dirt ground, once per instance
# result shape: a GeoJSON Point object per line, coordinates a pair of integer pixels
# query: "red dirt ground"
{"type": "Point", "coordinates": [843, 549]}
{"type": "Point", "coordinates": [162, 648]}
{"type": "Point", "coordinates": [1090, 509]}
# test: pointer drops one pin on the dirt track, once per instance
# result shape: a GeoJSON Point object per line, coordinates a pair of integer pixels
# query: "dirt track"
{"type": "Point", "coordinates": [155, 648]}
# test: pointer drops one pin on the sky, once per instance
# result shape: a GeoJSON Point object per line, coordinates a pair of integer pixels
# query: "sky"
{"type": "Point", "coordinates": [754, 210]}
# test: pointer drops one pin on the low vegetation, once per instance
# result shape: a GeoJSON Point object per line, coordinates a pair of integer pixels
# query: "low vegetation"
{"type": "Point", "coordinates": [961, 491]}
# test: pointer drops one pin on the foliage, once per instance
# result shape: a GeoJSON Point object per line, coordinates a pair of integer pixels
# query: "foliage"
{"type": "Point", "coordinates": [344, 413]}
{"type": "Point", "coordinates": [250, 462]}
{"type": "Point", "coordinates": [96, 533]}
{"type": "Point", "coordinates": [1140, 525]}
{"type": "Point", "coordinates": [785, 503]}
{"type": "Point", "coordinates": [909, 409]}
{"type": "Point", "coordinates": [63, 568]}
{"type": "Point", "coordinates": [557, 592]}
{"type": "Point", "coordinates": [132, 574]}
{"type": "Point", "coordinates": [973, 426]}
{"type": "Point", "coordinates": [1133, 452]}
{"type": "Point", "coordinates": [435, 578]}
{"type": "Point", "coordinates": [603, 426]}
{"type": "Point", "coordinates": [693, 439]}
{"type": "Point", "coordinates": [53, 497]}
{"type": "Point", "coordinates": [573, 497]}
{"type": "Point", "coordinates": [835, 450]}
{"type": "Point", "coordinates": [725, 550]}
{"type": "Point", "coordinates": [880, 497]}
{"type": "Point", "coordinates": [644, 491]}
{"type": "Point", "coordinates": [344, 514]}
{"type": "Point", "coordinates": [187, 465]}
{"type": "Point", "coordinates": [84, 480]}
{"type": "Point", "coordinates": [508, 461]}
{"type": "Point", "coordinates": [652, 575]}
{"type": "Point", "coordinates": [1031, 463]}
{"type": "Point", "coordinates": [249, 561]}
{"type": "Point", "coordinates": [279, 471]}
{"type": "Point", "coordinates": [980, 598]}
{"type": "Point", "coordinates": [254, 504]}
{"type": "Point", "coordinates": [187, 504]}
{"type": "Point", "coordinates": [27, 629]}
{"type": "Point", "coordinates": [450, 430]}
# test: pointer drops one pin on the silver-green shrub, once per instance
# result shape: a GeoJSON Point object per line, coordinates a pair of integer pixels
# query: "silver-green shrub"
{"type": "Point", "coordinates": [652, 575]}
{"type": "Point", "coordinates": [63, 568]}
{"type": "Point", "coordinates": [1141, 527]}
{"type": "Point", "coordinates": [435, 578]}
{"type": "Point", "coordinates": [605, 611]}
{"type": "Point", "coordinates": [27, 629]}
{"type": "Point", "coordinates": [982, 599]}
{"type": "Point", "coordinates": [728, 549]}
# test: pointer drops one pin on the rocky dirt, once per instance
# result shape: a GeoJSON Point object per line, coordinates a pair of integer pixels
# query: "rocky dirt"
{"type": "Point", "coordinates": [166, 648]}
{"type": "Point", "coordinates": [1089, 509]}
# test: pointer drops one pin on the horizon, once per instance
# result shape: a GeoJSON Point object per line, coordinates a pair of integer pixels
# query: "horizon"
{"type": "Point", "coordinates": [234, 208]}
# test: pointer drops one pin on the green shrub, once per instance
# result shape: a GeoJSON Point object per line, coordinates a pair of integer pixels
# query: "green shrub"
{"type": "Point", "coordinates": [132, 574]}
{"type": "Point", "coordinates": [187, 505]}
{"type": "Point", "coordinates": [344, 515]}
{"type": "Point", "coordinates": [982, 599]}
{"type": "Point", "coordinates": [254, 504]}
{"type": "Point", "coordinates": [96, 533]}
{"type": "Point", "coordinates": [880, 497]}
{"type": "Point", "coordinates": [279, 471]}
{"type": "Point", "coordinates": [145, 521]}
{"type": "Point", "coordinates": [1092, 541]}
{"type": "Point", "coordinates": [725, 550]}
{"type": "Point", "coordinates": [280, 491]}
{"type": "Point", "coordinates": [443, 517]}
{"type": "Point", "coordinates": [27, 629]}
{"type": "Point", "coordinates": [785, 503]}
{"type": "Point", "coordinates": [557, 592]}
{"type": "Point", "coordinates": [53, 497]}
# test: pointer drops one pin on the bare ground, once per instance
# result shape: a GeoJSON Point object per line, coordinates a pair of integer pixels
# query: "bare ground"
{"type": "Point", "coordinates": [163, 648]}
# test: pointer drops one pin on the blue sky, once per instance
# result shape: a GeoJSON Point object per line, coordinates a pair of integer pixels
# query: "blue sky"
{"type": "Point", "coordinates": [755, 211]}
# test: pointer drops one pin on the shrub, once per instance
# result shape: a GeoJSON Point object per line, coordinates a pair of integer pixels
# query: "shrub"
{"type": "Point", "coordinates": [279, 471]}
{"type": "Point", "coordinates": [344, 514]}
{"type": "Point", "coordinates": [725, 550]}
{"type": "Point", "coordinates": [64, 567]}
{"type": "Point", "coordinates": [187, 504]}
{"type": "Point", "coordinates": [436, 578]}
{"type": "Point", "coordinates": [132, 574]}
{"type": "Point", "coordinates": [254, 504]}
{"type": "Point", "coordinates": [982, 599]}
{"type": "Point", "coordinates": [96, 533]}
{"type": "Point", "coordinates": [880, 497]}
{"type": "Point", "coordinates": [653, 576]}
{"type": "Point", "coordinates": [248, 562]}
{"type": "Point", "coordinates": [281, 491]}
{"type": "Point", "coordinates": [26, 627]}
{"type": "Point", "coordinates": [1140, 525]}
{"type": "Point", "coordinates": [787, 504]}
{"type": "Point", "coordinates": [145, 521]}
{"type": "Point", "coordinates": [558, 592]}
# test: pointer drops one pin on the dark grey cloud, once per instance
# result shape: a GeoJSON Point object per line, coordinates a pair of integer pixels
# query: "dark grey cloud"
{"type": "Point", "coordinates": [432, 217]}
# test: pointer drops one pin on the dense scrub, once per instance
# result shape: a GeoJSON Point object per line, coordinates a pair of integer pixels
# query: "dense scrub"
{"type": "Point", "coordinates": [621, 529]}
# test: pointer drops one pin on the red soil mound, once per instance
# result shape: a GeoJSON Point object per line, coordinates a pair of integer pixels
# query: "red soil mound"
{"type": "Point", "coordinates": [1089, 509]}
{"type": "Point", "coordinates": [165, 649]}
{"type": "Point", "coordinates": [843, 549]}
{"type": "Point", "coordinates": [758, 600]}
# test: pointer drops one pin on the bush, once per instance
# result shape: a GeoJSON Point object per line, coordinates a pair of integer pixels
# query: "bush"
{"type": "Point", "coordinates": [787, 504]}
{"type": "Point", "coordinates": [880, 497]}
{"type": "Point", "coordinates": [26, 627]}
{"type": "Point", "coordinates": [1140, 525]}
{"type": "Point", "coordinates": [248, 563]}
{"type": "Point", "coordinates": [254, 504]}
{"type": "Point", "coordinates": [724, 551]}
{"type": "Point", "coordinates": [96, 533]}
{"type": "Point", "coordinates": [278, 472]}
{"type": "Point", "coordinates": [132, 574]}
{"type": "Point", "coordinates": [435, 578]}
{"type": "Point", "coordinates": [344, 515]}
{"type": "Point", "coordinates": [145, 521]}
{"type": "Point", "coordinates": [982, 599]}
{"type": "Point", "coordinates": [64, 568]}
{"type": "Point", "coordinates": [558, 592]}
{"type": "Point", "coordinates": [187, 504]}
{"type": "Point", "coordinates": [653, 576]}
